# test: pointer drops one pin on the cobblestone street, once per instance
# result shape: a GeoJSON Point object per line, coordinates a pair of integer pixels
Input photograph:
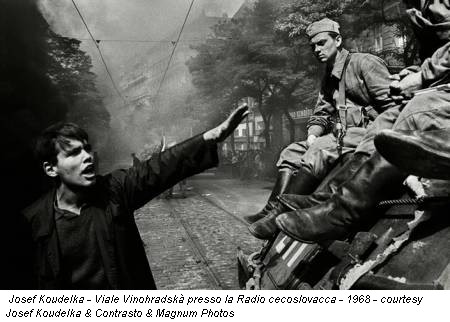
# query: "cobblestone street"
{"type": "Point", "coordinates": [191, 242]}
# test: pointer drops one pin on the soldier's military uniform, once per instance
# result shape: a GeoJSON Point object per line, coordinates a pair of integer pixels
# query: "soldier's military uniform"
{"type": "Point", "coordinates": [366, 88]}
{"type": "Point", "coordinates": [360, 83]}
{"type": "Point", "coordinates": [353, 202]}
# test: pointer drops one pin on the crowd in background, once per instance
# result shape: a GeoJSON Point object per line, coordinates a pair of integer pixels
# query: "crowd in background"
{"type": "Point", "coordinates": [245, 165]}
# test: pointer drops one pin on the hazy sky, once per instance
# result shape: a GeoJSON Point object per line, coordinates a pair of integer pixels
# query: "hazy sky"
{"type": "Point", "coordinates": [126, 19]}
{"type": "Point", "coordinates": [130, 20]}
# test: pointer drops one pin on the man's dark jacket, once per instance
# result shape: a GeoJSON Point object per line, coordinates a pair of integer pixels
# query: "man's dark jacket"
{"type": "Point", "coordinates": [115, 197]}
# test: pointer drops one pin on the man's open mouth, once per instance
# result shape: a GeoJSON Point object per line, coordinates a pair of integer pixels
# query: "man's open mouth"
{"type": "Point", "coordinates": [88, 171]}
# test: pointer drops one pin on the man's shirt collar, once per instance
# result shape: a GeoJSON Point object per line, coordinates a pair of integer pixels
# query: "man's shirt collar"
{"type": "Point", "coordinates": [59, 213]}
{"type": "Point", "coordinates": [339, 63]}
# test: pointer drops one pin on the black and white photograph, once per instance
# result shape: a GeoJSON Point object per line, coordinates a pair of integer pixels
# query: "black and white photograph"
{"type": "Point", "coordinates": [225, 145]}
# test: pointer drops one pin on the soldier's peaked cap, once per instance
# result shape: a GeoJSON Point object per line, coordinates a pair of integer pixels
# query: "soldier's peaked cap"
{"type": "Point", "coordinates": [324, 25]}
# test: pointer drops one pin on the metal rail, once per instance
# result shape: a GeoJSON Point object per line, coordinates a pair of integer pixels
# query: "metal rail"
{"type": "Point", "coordinates": [197, 248]}
{"type": "Point", "coordinates": [215, 204]}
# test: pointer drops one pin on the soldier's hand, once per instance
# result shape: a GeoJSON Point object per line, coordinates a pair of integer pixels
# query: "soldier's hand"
{"type": "Point", "coordinates": [395, 94]}
{"type": "Point", "coordinates": [401, 90]}
{"type": "Point", "coordinates": [405, 72]}
{"type": "Point", "coordinates": [310, 140]}
{"type": "Point", "coordinates": [221, 132]}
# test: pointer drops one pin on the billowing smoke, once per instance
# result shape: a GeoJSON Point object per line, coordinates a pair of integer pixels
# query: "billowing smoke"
{"type": "Point", "coordinates": [130, 20]}
{"type": "Point", "coordinates": [126, 20]}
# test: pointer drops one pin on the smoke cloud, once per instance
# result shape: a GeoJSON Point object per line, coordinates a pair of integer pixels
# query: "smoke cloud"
{"type": "Point", "coordinates": [128, 20]}
{"type": "Point", "coordinates": [152, 20]}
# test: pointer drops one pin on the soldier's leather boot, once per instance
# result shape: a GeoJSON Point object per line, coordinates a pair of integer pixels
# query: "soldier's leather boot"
{"type": "Point", "coordinates": [266, 227]}
{"type": "Point", "coordinates": [350, 207]}
{"type": "Point", "coordinates": [328, 186]}
{"type": "Point", "coordinates": [302, 182]}
{"type": "Point", "coordinates": [283, 178]}
{"type": "Point", "coordinates": [422, 153]}
{"type": "Point", "coordinates": [288, 181]}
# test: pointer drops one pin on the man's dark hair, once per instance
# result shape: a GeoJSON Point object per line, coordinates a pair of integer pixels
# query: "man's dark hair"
{"type": "Point", "coordinates": [46, 148]}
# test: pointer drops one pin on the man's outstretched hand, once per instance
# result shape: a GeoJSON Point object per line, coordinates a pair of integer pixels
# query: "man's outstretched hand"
{"type": "Point", "coordinates": [221, 132]}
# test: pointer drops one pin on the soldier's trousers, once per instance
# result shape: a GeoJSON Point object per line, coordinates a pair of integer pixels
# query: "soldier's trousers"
{"type": "Point", "coordinates": [423, 112]}
{"type": "Point", "coordinates": [321, 156]}
{"type": "Point", "coordinates": [430, 111]}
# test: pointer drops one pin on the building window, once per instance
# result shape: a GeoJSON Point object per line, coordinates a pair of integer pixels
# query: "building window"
{"type": "Point", "coordinates": [378, 35]}
{"type": "Point", "coordinates": [400, 41]}
{"type": "Point", "coordinates": [378, 44]}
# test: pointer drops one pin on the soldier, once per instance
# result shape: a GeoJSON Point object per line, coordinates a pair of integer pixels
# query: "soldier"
{"type": "Point", "coordinates": [355, 88]}
{"type": "Point", "coordinates": [353, 203]}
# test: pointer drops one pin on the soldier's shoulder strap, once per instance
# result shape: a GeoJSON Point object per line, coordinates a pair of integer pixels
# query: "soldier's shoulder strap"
{"type": "Point", "coordinates": [341, 101]}
{"type": "Point", "coordinates": [342, 98]}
